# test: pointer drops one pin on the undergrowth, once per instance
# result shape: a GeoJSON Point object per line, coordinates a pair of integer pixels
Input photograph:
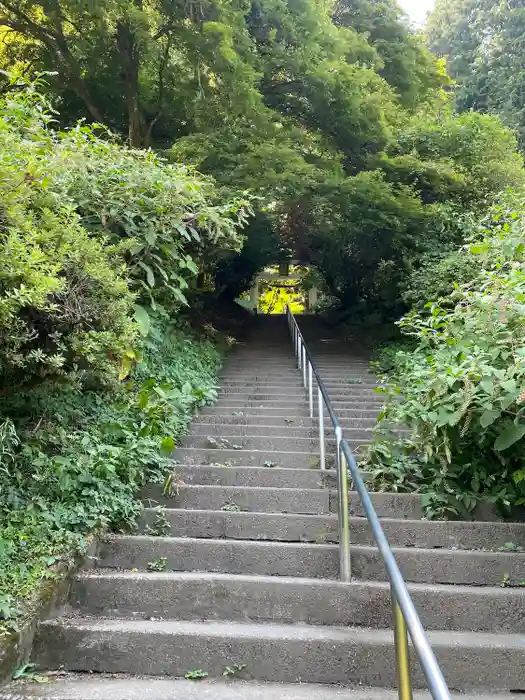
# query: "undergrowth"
{"type": "Point", "coordinates": [72, 459]}
{"type": "Point", "coordinates": [459, 392]}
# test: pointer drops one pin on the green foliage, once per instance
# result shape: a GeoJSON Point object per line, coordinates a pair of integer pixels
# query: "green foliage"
{"type": "Point", "coordinates": [196, 674]}
{"type": "Point", "coordinates": [330, 114]}
{"type": "Point", "coordinates": [65, 306]}
{"type": "Point", "coordinates": [365, 256]}
{"type": "Point", "coordinates": [158, 564]}
{"type": "Point", "coordinates": [482, 41]}
{"type": "Point", "coordinates": [460, 392]}
{"type": "Point", "coordinates": [233, 670]}
{"type": "Point", "coordinates": [403, 61]}
{"type": "Point", "coordinates": [87, 229]}
{"type": "Point", "coordinates": [165, 214]}
{"type": "Point", "coordinates": [478, 149]}
{"type": "Point", "coordinates": [72, 460]}
{"type": "Point", "coordinates": [160, 527]}
{"type": "Point", "coordinates": [231, 508]}
{"type": "Point", "coordinates": [27, 672]}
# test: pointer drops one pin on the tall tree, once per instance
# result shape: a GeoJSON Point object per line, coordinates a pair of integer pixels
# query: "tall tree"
{"type": "Point", "coordinates": [331, 111]}
{"type": "Point", "coordinates": [483, 42]}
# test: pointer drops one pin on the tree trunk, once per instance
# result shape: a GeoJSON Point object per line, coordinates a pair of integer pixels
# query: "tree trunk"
{"type": "Point", "coordinates": [130, 58]}
{"type": "Point", "coordinates": [82, 92]}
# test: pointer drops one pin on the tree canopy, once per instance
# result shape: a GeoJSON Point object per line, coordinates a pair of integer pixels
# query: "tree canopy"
{"type": "Point", "coordinates": [483, 42]}
{"type": "Point", "coordinates": [333, 114]}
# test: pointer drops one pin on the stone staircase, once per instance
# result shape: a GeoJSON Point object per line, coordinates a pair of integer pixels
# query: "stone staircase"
{"type": "Point", "coordinates": [251, 564]}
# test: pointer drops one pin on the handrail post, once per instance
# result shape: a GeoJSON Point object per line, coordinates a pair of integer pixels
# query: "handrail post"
{"type": "Point", "coordinates": [310, 389]}
{"type": "Point", "coordinates": [345, 565]}
{"type": "Point", "coordinates": [322, 460]}
{"type": "Point", "coordinates": [404, 679]}
{"type": "Point", "coordinates": [304, 366]}
{"type": "Point", "coordinates": [299, 351]}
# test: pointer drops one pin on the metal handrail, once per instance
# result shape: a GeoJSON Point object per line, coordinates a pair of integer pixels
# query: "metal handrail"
{"type": "Point", "coordinates": [405, 617]}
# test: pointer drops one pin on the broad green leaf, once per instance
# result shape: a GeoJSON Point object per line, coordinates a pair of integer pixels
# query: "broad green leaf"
{"type": "Point", "coordinates": [125, 368]}
{"type": "Point", "coordinates": [149, 273]}
{"type": "Point", "coordinates": [151, 237]}
{"type": "Point", "coordinates": [487, 384]}
{"type": "Point", "coordinates": [509, 436]}
{"type": "Point", "coordinates": [518, 476]}
{"type": "Point", "coordinates": [143, 320]}
{"type": "Point", "coordinates": [509, 385]}
{"type": "Point", "coordinates": [167, 445]}
{"type": "Point", "coordinates": [488, 418]}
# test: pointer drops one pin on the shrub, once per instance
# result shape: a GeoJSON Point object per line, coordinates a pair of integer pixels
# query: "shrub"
{"type": "Point", "coordinates": [87, 229]}
{"type": "Point", "coordinates": [461, 392]}
{"type": "Point", "coordinates": [65, 307]}
{"type": "Point", "coordinates": [72, 461]}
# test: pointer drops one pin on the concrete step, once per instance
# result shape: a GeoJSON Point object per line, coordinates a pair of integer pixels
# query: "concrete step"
{"type": "Point", "coordinates": [101, 687]}
{"type": "Point", "coordinates": [295, 397]}
{"type": "Point", "coordinates": [268, 371]}
{"type": "Point", "coordinates": [283, 653]}
{"type": "Point", "coordinates": [247, 476]}
{"type": "Point", "coordinates": [250, 458]}
{"type": "Point", "coordinates": [209, 412]}
{"type": "Point", "coordinates": [275, 374]}
{"type": "Point", "coordinates": [295, 382]}
{"type": "Point", "coordinates": [292, 409]}
{"type": "Point", "coordinates": [286, 360]}
{"type": "Point", "coordinates": [213, 524]}
{"type": "Point", "coordinates": [222, 556]}
{"type": "Point", "coordinates": [266, 444]}
{"type": "Point", "coordinates": [295, 392]}
{"type": "Point", "coordinates": [356, 418]}
{"type": "Point", "coordinates": [211, 596]}
{"type": "Point", "coordinates": [310, 560]}
{"type": "Point", "coordinates": [290, 527]}
{"type": "Point", "coordinates": [387, 505]}
{"type": "Point", "coordinates": [248, 498]}
{"type": "Point", "coordinates": [257, 429]}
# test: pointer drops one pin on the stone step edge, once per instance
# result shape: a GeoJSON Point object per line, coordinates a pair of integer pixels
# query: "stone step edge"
{"type": "Point", "coordinates": [122, 687]}
{"type": "Point", "coordinates": [356, 520]}
{"type": "Point", "coordinates": [212, 576]}
{"type": "Point", "coordinates": [211, 629]}
{"type": "Point", "coordinates": [371, 549]}
{"type": "Point", "coordinates": [329, 472]}
{"type": "Point", "coordinates": [271, 429]}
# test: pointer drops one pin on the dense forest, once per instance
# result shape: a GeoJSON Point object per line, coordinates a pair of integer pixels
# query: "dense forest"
{"type": "Point", "coordinates": [146, 141]}
{"type": "Point", "coordinates": [483, 43]}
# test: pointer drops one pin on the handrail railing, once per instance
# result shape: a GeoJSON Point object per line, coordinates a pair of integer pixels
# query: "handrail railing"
{"type": "Point", "coordinates": [405, 617]}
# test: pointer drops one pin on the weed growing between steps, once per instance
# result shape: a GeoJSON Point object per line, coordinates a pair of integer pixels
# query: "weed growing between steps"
{"type": "Point", "coordinates": [72, 460]}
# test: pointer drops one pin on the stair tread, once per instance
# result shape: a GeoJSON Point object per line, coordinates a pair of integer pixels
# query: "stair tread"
{"type": "Point", "coordinates": [167, 576]}
{"type": "Point", "coordinates": [121, 687]}
{"type": "Point", "coordinates": [461, 553]}
{"type": "Point", "coordinates": [279, 631]}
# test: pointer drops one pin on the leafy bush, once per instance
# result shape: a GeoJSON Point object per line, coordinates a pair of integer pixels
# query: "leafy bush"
{"type": "Point", "coordinates": [65, 306]}
{"type": "Point", "coordinates": [87, 229]}
{"type": "Point", "coordinates": [166, 214]}
{"type": "Point", "coordinates": [461, 392]}
{"type": "Point", "coordinates": [71, 461]}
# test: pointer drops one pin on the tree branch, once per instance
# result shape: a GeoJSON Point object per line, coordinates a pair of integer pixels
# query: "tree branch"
{"type": "Point", "coordinates": [161, 88]}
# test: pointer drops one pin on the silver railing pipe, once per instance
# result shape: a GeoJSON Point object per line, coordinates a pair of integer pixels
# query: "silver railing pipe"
{"type": "Point", "coordinates": [320, 403]}
{"type": "Point", "coordinates": [311, 390]}
{"type": "Point", "coordinates": [404, 614]}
